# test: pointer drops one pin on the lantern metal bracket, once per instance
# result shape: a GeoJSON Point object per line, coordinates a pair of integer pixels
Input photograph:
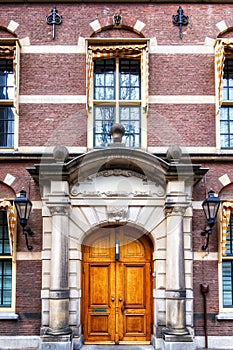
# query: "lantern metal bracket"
{"type": "Point", "coordinates": [206, 233]}
{"type": "Point", "coordinates": [180, 20]}
{"type": "Point", "coordinates": [27, 231]}
{"type": "Point", "coordinates": [54, 19]}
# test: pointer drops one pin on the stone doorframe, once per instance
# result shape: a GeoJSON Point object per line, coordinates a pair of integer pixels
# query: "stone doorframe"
{"type": "Point", "coordinates": [116, 186]}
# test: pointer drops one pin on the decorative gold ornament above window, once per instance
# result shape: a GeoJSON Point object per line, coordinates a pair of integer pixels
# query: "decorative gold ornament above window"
{"type": "Point", "coordinates": [11, 220]}
{"type": "Point", "coordinates": [223, 48]}
{"type": "Point", "coordinates": [224, 90]}
{"type": "Point", "coordinates": [227, 211]}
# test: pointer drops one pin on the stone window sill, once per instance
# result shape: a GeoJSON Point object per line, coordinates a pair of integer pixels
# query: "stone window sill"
{"type": "Point", "coordinates": [8, 316]}
{"type": "Point", "coordinates": [224, 316]}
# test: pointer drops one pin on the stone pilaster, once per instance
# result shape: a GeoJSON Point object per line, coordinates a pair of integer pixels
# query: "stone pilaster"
{"type": "Point", "coordinates": [59, 288]}
{"type": "Point", "coordinates": [59, 206]}
{"type": "Point", "coordinates": [175, 276]}
{"type": "Point", "coordinates": [175, 207]}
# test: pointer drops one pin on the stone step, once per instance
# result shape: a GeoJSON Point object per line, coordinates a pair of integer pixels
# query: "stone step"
{"type": "Point", "coordinates": [117, 347]}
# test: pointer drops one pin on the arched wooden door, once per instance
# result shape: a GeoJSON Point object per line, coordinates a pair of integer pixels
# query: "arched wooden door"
{"type": "Point", "coordinates": [117, 293]}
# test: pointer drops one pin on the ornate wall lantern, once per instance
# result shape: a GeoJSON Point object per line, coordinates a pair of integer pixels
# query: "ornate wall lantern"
{"type": "Point", "coordinates": [210, 206]}
{"type": "Point", "coordinates": [23, 207]}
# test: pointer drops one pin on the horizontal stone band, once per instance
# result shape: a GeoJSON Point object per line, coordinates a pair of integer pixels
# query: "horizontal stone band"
{"type": "Point", "coordinates": [178, 294]}
{"type": "Point", "coordinates": [59, 294]}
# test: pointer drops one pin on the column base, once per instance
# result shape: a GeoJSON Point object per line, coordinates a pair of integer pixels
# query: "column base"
{"type": "Point", "coordinates": [176, 331]}
{"type": "Point", "coordinates": [60, 342]}
{"type": "Point", "coordinates": [59, 332]}
{"type": "Point", "coordinates": [178, 342]}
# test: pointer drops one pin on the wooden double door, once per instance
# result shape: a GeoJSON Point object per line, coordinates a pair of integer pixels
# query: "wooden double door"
{"type": "Point", "coordinates": [116, 296]}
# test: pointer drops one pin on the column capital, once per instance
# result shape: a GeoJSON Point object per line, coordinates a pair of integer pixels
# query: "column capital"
{"type": "Point", "coordinates": [59, 203]}
{"type": "Point", "coordinates": [176, 204]}
{"type": "Point", "coordinates": [175, 210]}
{"type": "Point", "coordinates": [59, 209]}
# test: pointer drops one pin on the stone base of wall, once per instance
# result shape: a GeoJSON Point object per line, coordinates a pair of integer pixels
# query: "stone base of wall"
{"type": "Point", "coordinates": [176, 344]}
{"type": "Point", "coordinates": [19, 342]}
{"type": "Point", "coordinates": [223, 342]}
{"type": "Point", "coordinates": [64, 342]}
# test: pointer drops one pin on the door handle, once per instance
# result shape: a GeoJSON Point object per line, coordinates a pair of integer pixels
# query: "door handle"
{"type": "Point", "coordinates": [120, 299]}
{"type": "Point", "coordinates": [113, 299]}
{"type": "Point", "coordinates": [123, 307]}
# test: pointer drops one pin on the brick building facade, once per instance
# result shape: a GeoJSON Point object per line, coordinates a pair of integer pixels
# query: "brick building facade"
{"type": "Point", "coordinates": [116, 252]}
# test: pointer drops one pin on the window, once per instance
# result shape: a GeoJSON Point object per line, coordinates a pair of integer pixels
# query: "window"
{"type": "Point", "coordinates": [226, 256]}
{"type": "Point", "coordinates": [8, 93]}
{"type": "Point", "coordinates": [226, 111]}
{"type": "Point", "coordinates": [227, 267]}
{"type": "Point", "coordinates": [5, 263]}
{"type": "Point", "coordinates": [117, 92]}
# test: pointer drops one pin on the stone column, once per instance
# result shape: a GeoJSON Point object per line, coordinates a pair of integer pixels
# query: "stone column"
{"type": "Point", "coordinates": [175, 206]}
{"type": "Point", "coordinates": [59, 206]}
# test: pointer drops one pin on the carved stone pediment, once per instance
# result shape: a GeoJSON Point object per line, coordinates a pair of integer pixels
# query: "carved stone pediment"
{"type": "Point", "coordinates": [117, 183]}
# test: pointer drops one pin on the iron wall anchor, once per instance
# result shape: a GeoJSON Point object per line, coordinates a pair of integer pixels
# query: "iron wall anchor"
{"type": "Point", "coordinates": [180, 20]}
{"type": "Point", "coordinates": [54, 19]}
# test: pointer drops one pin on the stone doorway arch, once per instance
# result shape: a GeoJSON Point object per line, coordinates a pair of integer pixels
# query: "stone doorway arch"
{"type": "Point", "coordinates": [115, 186]}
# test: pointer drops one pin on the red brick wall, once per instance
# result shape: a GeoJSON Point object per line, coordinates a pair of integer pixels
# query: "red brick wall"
{"type": "Point", "coordinates": [207, 271]}
{"type": "Point", "coordinates": [53, 124]}
{"type": "Point", "coordinates": [55, 74]}
{"type": "Point", "coordinates": [180, 74]}
{"type": "Point", "coordinates": [28, 272]}
{"type": "Point", "coordinates": [28, 301]}
{"type": "Point", "coordinates": [17, 168]}
{"type": "Point", "coordinates": [178, 124]}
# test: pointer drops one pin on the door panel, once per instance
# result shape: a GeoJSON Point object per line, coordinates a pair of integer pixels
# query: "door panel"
{"type": "Point", "coordinates": [100, 279]}
{"type": "Point", "coordinates": [135, 305]}
{"type": "Point", "coordinates": [134, 282]}
{"type": "Point", "coordinates": [117, 294]}
{"type": "Point", "coordinates": [100, 322]}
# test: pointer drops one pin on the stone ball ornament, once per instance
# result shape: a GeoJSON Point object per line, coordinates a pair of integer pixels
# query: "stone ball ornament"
{"type": "Point", "coordinates": [60, 154]}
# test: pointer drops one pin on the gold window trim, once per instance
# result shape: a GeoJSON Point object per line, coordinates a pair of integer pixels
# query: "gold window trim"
{"type": "Point", "coordinates": [226, 211]}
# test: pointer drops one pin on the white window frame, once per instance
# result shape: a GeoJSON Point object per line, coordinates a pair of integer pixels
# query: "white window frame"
{"type": "Point", "coordinates": [144, 95]}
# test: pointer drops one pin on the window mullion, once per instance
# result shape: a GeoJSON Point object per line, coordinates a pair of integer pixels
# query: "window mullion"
{"type": "Point", "coordinates": [231, 280]}
{"type": "Point", "coordinates": [117, 87]}
{"type": "Point", "coordinates": [2, 281]}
